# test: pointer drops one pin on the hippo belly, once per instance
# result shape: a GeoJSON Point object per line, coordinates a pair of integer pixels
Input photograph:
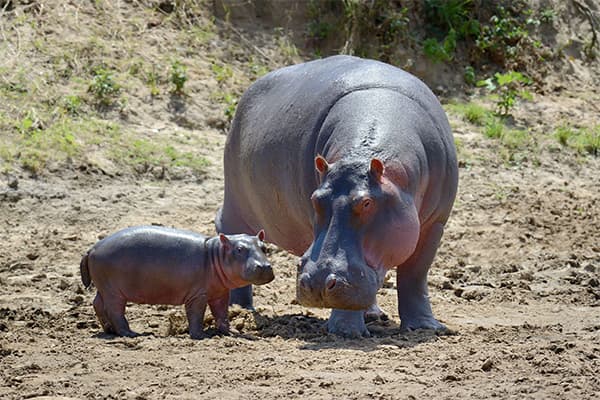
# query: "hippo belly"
{"type": "Point", "coordinates": [349, 163]}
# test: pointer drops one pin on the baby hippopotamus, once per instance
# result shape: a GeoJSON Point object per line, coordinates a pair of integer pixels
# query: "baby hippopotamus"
{"type": "Point", "coordinates": [157, 265]}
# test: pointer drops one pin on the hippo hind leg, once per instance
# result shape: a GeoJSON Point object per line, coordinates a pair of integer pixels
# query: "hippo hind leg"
{"type": "Point", "coordinates": [101, 314]}
{"type": "Point", "coordinates": [413, 297]}
{"type": "Point", "coordinates": [115, 314]}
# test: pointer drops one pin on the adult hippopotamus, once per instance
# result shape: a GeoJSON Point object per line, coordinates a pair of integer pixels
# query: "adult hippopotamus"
{"type": "Point", "coordinates": [156, 265]}
{"type": "Point", "coordinates": [349, 163]}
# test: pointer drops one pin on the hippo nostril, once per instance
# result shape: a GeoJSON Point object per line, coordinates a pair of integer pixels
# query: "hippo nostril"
{"type": "Point", "coordinates": [330, 282]}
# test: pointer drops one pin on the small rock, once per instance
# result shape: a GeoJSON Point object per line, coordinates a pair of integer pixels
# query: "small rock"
{"type": "Point", "coordinates": [589, 268]}
{"type": "Point", "coordinates": [446, 285]}
{"type": "Point", "coordinates": [63, 284]}
{"type": "Point", "coordinates": [76, 299]}
{"type": "Point", "coordinates": [487, 365]}
{"type": "Point", "coordinates": [3, 327]}
{"type": "Point", "coordinates": [81, 324]}
{"type": "Point", "coordinates": [13, 183]}
{"type": "Point", "coordinates": [32, 256]}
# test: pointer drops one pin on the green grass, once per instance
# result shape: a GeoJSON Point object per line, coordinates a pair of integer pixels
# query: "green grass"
{"type": "Point", "coordinates": [494, 128]}
{"type": "Point", "coordinates": [509, 137]}
{"type": "Point", "coordinates": [143, 154]}
{"type": "Point", "coordinates": [178, 76]}
{"type": "Point", "coordinates": [103, 86]}
{"type": "Point", "coordinates": [584, 140]}
{"type": "Point", "coordinates": [474, 113]}
{"type": "Point", "coordinates": [33, 146]}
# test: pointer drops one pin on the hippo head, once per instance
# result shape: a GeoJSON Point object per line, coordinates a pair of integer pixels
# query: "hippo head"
{"type": "Point", "coordinates": [245, 256]}
{"type": "Point", "coordinates": [364, 223]}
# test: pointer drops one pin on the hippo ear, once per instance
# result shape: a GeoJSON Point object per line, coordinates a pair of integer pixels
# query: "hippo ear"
{"type": "Point", "coordinates": [321, 164]}
{"type": "Point", "coordinates": [224, 241]}
{"type": "Point", "coordinates": [376, 169]}
{"type": "Point", "coordinates": [261, 235]}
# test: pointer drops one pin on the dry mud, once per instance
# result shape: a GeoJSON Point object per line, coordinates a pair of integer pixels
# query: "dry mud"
{"type": "Point", "coordinates": [516, 281]}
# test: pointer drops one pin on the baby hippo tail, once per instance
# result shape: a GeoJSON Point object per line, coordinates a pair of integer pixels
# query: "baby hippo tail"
{"type": "Point", "coordinates": [85, 272]}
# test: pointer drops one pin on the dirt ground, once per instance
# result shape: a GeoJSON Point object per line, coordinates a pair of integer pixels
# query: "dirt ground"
{"type": "Point", "coordinates": [516, 280]}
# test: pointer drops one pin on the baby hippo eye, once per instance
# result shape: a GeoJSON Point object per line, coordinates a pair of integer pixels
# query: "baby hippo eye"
{"type": "Point", "coordinates": [239, 249]}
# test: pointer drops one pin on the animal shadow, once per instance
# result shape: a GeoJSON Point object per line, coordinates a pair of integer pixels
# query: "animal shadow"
{"type": "Point", "coordinates": [313, 330]}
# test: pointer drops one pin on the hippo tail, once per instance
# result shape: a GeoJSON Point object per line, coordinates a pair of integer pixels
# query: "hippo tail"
{"type": "Point", "coordinates": [85, 271]}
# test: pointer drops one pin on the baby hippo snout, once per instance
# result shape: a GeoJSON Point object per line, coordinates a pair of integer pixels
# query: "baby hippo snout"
{"type": "Point", "coordinates": [260, 273]}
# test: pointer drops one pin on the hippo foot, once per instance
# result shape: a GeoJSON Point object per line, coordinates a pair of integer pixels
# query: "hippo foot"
{"type": "Point", "coordinates": [199, 335]}
{"type": "Point", "coordinates": [224, 331]}
{"type": "Point", "coordinates": [128, 333]}
{"type": "Point", "coordinates": [412, 324]}
{"type": "Point", "coordinates": [348, 324]}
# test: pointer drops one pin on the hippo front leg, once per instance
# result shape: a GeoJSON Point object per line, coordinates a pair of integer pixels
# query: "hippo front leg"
{"type": "Point", "coordinates": [219, 309]}
{"type": "Point", "coordinates": [348, 323]}
{"type": "Point", "coordinates": [243, 297]}
{"type": "Point", "coordinates": [413, 296]}
{"type": "Point", "coordinates": [195, 309]}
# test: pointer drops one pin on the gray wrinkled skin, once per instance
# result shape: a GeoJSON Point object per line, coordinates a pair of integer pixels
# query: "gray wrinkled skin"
{"type": "Point", "coordinates": [377, 199]}
{"type": "Point", "coordinates": [156, 265]}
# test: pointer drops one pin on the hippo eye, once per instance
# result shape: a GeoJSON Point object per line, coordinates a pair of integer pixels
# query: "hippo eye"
{"type": "Point", "coordinates": [363, 205]}
{"type": "Point", "coordinates": [239, 249]}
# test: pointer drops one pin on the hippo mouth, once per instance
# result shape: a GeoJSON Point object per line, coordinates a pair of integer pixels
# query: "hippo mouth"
{"type": "Point", "coordinates": [336, 292]}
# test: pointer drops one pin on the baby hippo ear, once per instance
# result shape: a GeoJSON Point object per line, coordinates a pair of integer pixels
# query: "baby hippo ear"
{"type": "Point", "coordinates": [261, 235]}
{"type": "Point", "coordinates": [225, 241]}
{"type": "Point", "coordinates": [321, 164]}
{"type": "Point", "coordinates": [376, 169]}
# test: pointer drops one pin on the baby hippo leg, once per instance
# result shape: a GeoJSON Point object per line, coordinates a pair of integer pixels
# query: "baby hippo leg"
{"type": "Point", "coordinates": [219, 308]}
{"type": "Point", "coordinates": [101, 314]}
{"type": "Point", "coordinates": [195, 309]}
{"type": "Point", "coordinates": [115, 314]}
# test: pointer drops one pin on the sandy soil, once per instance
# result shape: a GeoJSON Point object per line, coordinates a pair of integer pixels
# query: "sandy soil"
{"type": "Point", "coordinates": [516, 280]}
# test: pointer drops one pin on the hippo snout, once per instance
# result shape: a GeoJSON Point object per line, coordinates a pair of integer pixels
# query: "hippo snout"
{"type": "Point", "coordinates": [333, 290]}
{"type": "Point", "coordinates": [260, 273]}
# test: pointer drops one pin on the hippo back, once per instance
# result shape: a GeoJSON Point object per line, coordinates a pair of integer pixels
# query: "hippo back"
{"type": "Point", "coordinates": [278, 130]}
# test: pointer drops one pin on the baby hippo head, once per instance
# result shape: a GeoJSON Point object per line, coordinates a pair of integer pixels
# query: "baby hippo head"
{"type": "Point", "coordinates": [245, 256]}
